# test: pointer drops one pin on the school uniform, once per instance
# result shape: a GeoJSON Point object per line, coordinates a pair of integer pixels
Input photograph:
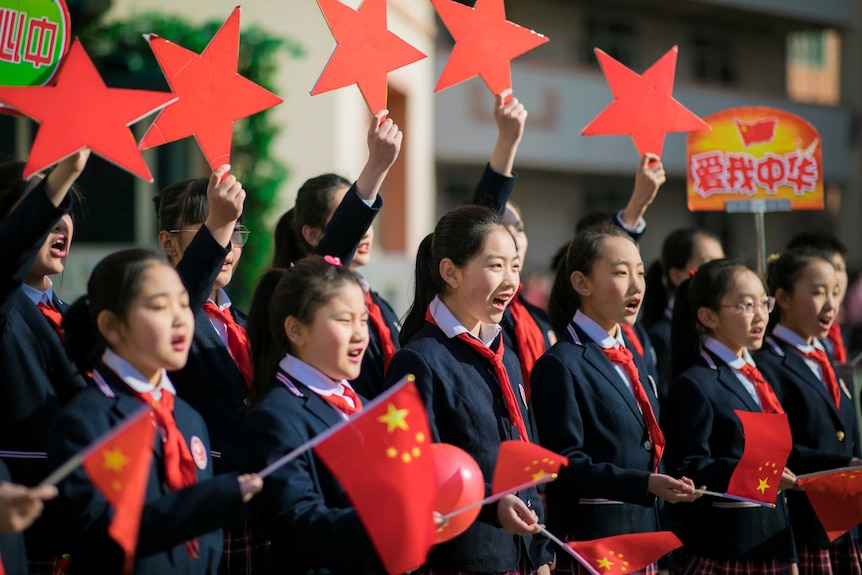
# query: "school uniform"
{"type": "Point", "coordinates": [659, 334]}
{"type": "Point", "coordinates": [466, 408]}
{"type": "Point", "coordinates": [169, 518]}
{"type": "Point", "coordinates": [586, 410]}
{"type": "Point", "coordinates": [824, 437]}
{"type": "Point", "coordinates": [13, 553]}
{"type": "Point", "coordinates": [302, 509]}
{"type": "Point", "coordinates": [705, 442]}
{"type": "Point", "coordinates": [36, 376]}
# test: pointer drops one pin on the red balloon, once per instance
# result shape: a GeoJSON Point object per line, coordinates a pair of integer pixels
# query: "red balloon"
{"type": "Point", "coordinates": [459, 484]}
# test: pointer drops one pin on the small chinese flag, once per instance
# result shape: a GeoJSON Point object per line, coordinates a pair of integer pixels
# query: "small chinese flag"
{"type": "Point", "coordinates": [837, 500]}
{"type": "Point", "coordinates": [624, 554]}
{"type": "Point", "coordinates": [383, 460]}
{"type": "Point", "coordinates": [118, 466]}
{"type": "Point", "coordinates": [756, 132]}
{"type": "Point", "coordinates": [767, 446]}
{"type": "Point", "coordinates": [520, 463]}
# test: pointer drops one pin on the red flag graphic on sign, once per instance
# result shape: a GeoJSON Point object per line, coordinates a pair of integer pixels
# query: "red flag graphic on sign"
{"type": "Point", "coordinates": [624, 554]}
{"type": "Point", "coordinates": [118, 466]}
{"type": "Point", "coordinates": [837, 499]}
{"type": "Point", "coordinates": [520, 462]}
{"type": "Point", "coordinates": [757, 132]}
{"type": "Point", "coordinates": [383, 460]}
{"type": "Point", "coordinates": [767, 446]}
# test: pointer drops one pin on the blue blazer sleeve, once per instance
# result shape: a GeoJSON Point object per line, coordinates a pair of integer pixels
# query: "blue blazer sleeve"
{"type": "Point", "coordinates": [200, 265]}
{"type": "Point", "coordinates": [494, 189]}
{"type": "Point", "coordinates": [348, 224]}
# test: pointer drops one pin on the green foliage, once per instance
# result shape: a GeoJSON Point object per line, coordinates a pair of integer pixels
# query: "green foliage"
{"type": "Point", "coordinates": [123, 56]}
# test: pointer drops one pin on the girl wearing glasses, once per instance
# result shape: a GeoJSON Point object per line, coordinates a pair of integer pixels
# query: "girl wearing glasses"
{"type": "Point", "coordinates": [818, 403]}
{"type": "Point", "coordinates": [720, 314]}
{"type": "Point", "coordinates": [200, 231]}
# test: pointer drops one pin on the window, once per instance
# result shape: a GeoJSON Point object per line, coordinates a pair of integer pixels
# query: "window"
{"type": "Point", "coordinates": [613, 35]}
{"type": "Point", "coordinates": [712, 58]}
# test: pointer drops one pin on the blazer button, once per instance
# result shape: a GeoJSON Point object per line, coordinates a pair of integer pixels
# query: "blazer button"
{"type": "Point", "coordinates": [839, 436]}
{"type": "Point", "coordinates": [648, 445]}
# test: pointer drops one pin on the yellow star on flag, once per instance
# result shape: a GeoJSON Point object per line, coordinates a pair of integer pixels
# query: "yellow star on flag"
{"type": "Point", "coordinates": [538, 475]}
{"type": "Point", "coordinates": [115, 460]}
{"type": "Point", "coordinates": [763, 486]}
{"type": "Point", "coordinates": [394, 419]}
{"type": "Point", "coordinates": [604, 563]}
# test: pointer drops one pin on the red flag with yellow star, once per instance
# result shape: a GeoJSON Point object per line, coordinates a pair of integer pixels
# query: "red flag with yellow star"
{"type": "Point", "coordinates": [520, 463]}
{"type": "Point", "coordinates": [623, 554]}
{"type": "Point", "coordinates": [767, 447]}
{"type": "Point", "coordinates": [836, 498]}
{"type": "Point", "coordinates": [118, 466]}
{"type": "Point", "coordinates": [383, 460]}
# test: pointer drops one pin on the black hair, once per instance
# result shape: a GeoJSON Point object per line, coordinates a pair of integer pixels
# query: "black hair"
{"type": "Point", "coordinates": [581, 253]}
{"type": "Point", "coordinates": [13, 186]}
{"type": "Point", "coordinates": [706, 288]}
{"type": "Point", "coordinates": [459, 236]}
{"type": "Point", "coordinates": [312, 208]}
{"type": "Point", "coordinates": [822, 241]}
{"type": "Point", "coordinates": [181, 204]}
{"type": "Point", "coordinates": [676, 251]}
{"type": "Point", "coordinates": [784, 270]}
{"type": "Point", "coordinates": [594, 219]}
{"type": "Point", "coordinates": [113, 286]}
{"type": "Point", "coordinates": [281, 293]}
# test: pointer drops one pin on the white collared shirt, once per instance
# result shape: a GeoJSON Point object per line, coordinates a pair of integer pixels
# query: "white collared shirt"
{"type": "Point", "coordinates": [222, 302]}
{"type": "Point", "coordinates": [605, 340]}
{"type": "Point", "coordinates": [314, 379]}
{"type": "Point", "coordinates": [736, 363]}
{"type": "Point", "coordinates": [451, 327]}
{"type": "Point", "coordinates": [786, 334]}
{"type": "Point", "coordinates": [133, 378]}
{"type": "Point", "coordinates": [36, 295]}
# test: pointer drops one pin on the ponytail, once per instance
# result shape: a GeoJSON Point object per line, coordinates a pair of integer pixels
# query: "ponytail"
{"type": "Point", "coordinates": [427, 284]}
{"type": "Point", "coordinates": [288, 248]}
{"type": "Point", "coordinates": [84, 345]}
{"type": "Point", "coordinates": [656, 296]}
{"type": "Point", "coordinates": [267, 348]}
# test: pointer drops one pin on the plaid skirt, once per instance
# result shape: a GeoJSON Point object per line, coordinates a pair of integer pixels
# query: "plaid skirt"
{"type": "Point", "coordinates": [53, 565]}
{"type": "Point", "coordinates": [709, 566]}
{"type": "Point", "coordinates": [244, 551]}
{"type": "Point", "coordinates": [525, 567]}
{"type": "Point", "coordinates": [840, 559]}
{"type": "Point", "coordinates": [566, 565]}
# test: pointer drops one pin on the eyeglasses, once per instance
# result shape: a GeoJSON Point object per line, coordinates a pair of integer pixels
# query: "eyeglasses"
{"type": "Point", "coordinates": [750, 307]}
{"type": "Point", "coordinates": [237, 239]}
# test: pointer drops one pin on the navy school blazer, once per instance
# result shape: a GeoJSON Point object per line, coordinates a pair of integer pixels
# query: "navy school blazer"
{"type": "Point", "coordinates": [345, 229]}
{"type": "Point", "coordinates": [465, 408]}
{"type": "Point", "coordinates": [586, 412]}
{"type": "Point", "coordinates": [303, 510]}
{"type": "Point", "coordinates": [823, 437]}
{"type": "Point", "coordinates": [211, 381]}
{"type": "Point", "coordinates": [169, 519]}
{"type": "Point", "coordinates": [704, 442]}
{"type": "Point", "coordinates": [36, 376]}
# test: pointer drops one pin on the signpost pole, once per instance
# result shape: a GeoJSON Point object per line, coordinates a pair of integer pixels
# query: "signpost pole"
{"type": "Point", "coordinates": [760, 226]}
{"type": "Point", "coordinates": [758, 208]}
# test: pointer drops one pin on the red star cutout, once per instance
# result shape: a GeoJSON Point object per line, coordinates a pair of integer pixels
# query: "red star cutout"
{"type": "Point", "coordinates": [366, 51]}
{"type": "Point", "coordinates": [211, 94]}
{"type": "Point", "coordinates": [485, 43]}
{"type": "Point", "coordinates": [643, 106]}
{"type": "Point", "coordinates": [79, 112]}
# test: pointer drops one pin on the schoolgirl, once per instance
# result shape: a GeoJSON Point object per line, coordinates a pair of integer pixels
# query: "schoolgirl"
{"type": "Point", "coordinates": [132, 326]}
{"type": "Point", "coordinates": [309, 330]}
{"type": "Point", "coordinates": [818, 403]}
{"type": "Point", "coordinates": [467, 272]}
{"type": "Point", "coordinates": [595, 402]}
{"type": "Point", "coordinates": [720, 314]}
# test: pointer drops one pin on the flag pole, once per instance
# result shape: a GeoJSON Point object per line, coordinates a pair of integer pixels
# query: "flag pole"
{"type": "Point", "coordinates": [734, 497]}
{"type": "Point", "coordinates": [497, 496]}
{"type": "Point", "coordinates": [578, 557]}
{"type": "Point", "coordinates": [827, 472]}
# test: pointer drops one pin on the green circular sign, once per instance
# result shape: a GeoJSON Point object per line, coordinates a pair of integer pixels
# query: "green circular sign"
{"type": "Point", "coordinates": [34, 37]}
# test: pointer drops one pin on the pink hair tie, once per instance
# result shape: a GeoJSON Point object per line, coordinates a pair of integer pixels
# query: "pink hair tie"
{"type": "Point", "coordinates": [692, 272]}
{"type": "Point", "coordinates": [332, 260]}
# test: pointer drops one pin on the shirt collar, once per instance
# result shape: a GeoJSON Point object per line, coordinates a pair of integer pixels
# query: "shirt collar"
{"type": "Point", "coordinates": [37, 295]}
{"type": "Point", "coordinates": [727, 356]}
{"type": "Point", "coordinates": [222, 300]}
{"type": "Point", "coordinates": [784, 333]}
{"type": "Point", "coordinates": [597, 333]}
{"type": "Point", "coordinates": [450, 325]}
{"type": "Point", "coordinates": [133, 378]}
{"type": "Point", "coordinates": [311, 377]}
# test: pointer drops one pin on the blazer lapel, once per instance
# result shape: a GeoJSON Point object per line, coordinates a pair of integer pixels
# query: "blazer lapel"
{"type": "Point", "coordinates": [596, 358]}
{"type": "Point", "coordinates": [796, 364]}
{"type": "Point", "coordinates": [316, 405]}
{"type": "Point", "coordinates": [727, 377]}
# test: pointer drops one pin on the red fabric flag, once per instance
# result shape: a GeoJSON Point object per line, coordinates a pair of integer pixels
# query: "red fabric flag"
{"type": "Point", "coordinates": [837, 500]}
{"type": "Point", "coordinates": [767, 446]}
{"type": "Point", "coordinates": [118, 466]}
{"type": "Point", "coordinates": [520, 462]}
{"type": "Point", "coordinates": [624, 554]}
{"type": "Point", "coordinates": [756, 132]}
{"type": "Point", "coordinates": [383, 459]}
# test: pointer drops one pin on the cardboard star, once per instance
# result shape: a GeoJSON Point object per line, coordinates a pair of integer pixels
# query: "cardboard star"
{"type": "Point", "coordinates": [79, 112]}
{"type": "Point", "coordinates": [485, 43]}
{"type": "Point", "coordinates": [366, 51]}
{"type": "Point", "coordinates": [643, 106]}
{"type": "Point", "coordinates": [212, 95]}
